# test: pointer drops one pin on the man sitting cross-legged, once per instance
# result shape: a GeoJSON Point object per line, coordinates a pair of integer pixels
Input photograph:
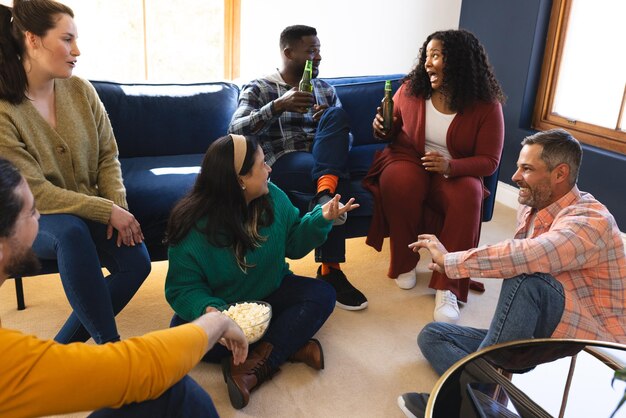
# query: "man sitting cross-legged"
{"type": "Point", "coordinates": [564, 271]}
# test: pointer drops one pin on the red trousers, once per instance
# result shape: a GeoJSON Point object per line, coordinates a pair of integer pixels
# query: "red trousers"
{"type": "Point", "coordinates": [415, 201]}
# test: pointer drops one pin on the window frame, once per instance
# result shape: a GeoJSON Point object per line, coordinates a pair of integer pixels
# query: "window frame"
{"type": "Point", "coordinates": [543, 119]}
{"type": "Point", "coordinates": [232, 39]}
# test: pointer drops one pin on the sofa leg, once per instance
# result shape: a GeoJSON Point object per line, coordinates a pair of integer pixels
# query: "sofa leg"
{"type": "Point", "coordinates": [19, 293]}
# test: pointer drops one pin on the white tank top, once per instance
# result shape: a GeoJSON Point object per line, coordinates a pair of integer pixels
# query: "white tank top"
{"type": "Point", "coordinates": [436, 131]}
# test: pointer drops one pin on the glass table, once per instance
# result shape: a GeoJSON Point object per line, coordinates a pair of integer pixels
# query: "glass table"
{"type": "Point", "coordinates": [533, 378]}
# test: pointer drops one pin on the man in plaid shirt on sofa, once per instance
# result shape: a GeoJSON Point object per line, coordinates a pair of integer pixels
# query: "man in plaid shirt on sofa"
{"type": "Point", "coordinates": [564, 271]}
{"type": "Point", "coordinates": [306, 139]}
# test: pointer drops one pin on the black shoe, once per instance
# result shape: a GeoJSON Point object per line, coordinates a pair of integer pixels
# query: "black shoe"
{"type": "Point", "coordinates": [348, 296]}
{"type": "Point", "coordinates": [325, 196]}
{"type": "Point", "coordinates": [413, 404]}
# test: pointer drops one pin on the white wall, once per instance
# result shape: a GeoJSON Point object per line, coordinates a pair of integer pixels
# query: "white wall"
{"type": "Point", "coordinates": [358, 37]}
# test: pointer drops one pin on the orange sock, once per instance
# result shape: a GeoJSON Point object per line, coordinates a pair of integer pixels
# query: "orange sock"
{"type": "Point", "coordinates": [327, 181]}
{"type": "Point", "coordinates": [326, 267]}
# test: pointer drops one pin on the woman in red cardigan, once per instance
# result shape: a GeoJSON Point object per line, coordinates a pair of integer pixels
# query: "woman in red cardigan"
{"type": "Point", "coordinates": [447, 134]}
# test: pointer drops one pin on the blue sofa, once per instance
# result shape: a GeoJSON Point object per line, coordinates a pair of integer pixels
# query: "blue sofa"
{"type": "Point", "coordinates": [163, 130]}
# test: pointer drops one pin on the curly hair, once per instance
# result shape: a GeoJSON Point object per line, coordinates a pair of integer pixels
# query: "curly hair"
{"type": "Point", "coordinates": [467, 74]}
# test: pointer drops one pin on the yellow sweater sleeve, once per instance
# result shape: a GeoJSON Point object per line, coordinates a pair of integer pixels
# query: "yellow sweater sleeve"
{"type": "Point", "coordinates": [40, 377]}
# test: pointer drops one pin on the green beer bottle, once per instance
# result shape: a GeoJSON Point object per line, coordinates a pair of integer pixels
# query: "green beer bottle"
{"type": "Point", "coordinates": [305, 83]}
{"type": "Point", "coordinates": [387, 107]}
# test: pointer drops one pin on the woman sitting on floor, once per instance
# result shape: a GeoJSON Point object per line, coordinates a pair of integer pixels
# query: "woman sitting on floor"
{"type": "Point", "coordinates": [228, 241]}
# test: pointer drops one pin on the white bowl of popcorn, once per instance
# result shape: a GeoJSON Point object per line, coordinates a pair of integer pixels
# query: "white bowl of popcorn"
{"type": "Point", "coordinates": [253, 317]}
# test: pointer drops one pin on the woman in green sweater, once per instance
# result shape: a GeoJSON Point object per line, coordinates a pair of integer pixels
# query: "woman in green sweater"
{"type": "Point", "coordinates": [55, 130]}
{"type": "Point", "coordinates": [228, 241]}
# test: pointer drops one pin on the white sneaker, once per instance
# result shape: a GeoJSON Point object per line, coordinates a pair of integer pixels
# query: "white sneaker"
{"type": "Point", "coordinates": [446, 307]}
{"type": "Point", "coordinates": [406, 280]}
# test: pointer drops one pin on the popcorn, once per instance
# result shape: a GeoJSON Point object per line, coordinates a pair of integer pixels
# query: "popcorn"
{"type": "Point", "coordinates": [252, 317]}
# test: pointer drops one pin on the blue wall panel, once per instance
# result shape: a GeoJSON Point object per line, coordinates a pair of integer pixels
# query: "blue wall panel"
{"type": "Point", "coordinates": [513, 33]}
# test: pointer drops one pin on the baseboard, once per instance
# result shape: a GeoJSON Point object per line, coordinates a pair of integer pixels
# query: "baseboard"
{"type": "Point", "coordinates": [507, 195]}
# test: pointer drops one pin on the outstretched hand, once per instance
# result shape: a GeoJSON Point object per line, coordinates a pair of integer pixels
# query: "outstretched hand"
{"type": "Point", "coordinates": [235, 340]}
{"type": "Point", "coordinates": [333, 209]}
{"type": "Point", "coordinates": [220, 328]}
{"type": "Point", "coordinates": [436, 249]}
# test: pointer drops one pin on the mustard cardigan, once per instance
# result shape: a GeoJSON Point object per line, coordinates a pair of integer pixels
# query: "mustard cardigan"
{"type": "Point", "coordinates": [72, 168]}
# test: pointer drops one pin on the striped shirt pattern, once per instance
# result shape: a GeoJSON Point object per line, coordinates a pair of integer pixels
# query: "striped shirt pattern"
{"type": "Point", "coordinates": [282, 133]}
{"type": "Point", "coordinates": [577, 241]}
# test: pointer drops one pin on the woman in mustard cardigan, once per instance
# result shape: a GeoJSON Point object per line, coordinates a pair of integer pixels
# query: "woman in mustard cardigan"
{"type": "Point", "coordinates": [55, 130]}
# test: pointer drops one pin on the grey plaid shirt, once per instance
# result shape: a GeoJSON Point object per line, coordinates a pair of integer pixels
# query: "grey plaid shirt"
{"type": "Point", "coordinates": [278, 134]}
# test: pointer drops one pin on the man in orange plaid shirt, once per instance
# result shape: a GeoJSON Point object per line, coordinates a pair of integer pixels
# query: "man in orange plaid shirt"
{"type": "Point", "coordinates": [565, 269]}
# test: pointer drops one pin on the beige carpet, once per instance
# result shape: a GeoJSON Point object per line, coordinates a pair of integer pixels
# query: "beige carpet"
{"type": "Point", "coordinates": [371, 355]}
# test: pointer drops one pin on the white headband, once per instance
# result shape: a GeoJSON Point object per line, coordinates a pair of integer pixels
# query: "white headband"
{"type": "Point", "coordinates": [239, 151]}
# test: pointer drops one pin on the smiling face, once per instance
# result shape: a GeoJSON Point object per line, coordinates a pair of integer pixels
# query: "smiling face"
{"type": "Point", "coordinates": [308, 48]}
{"type": "Point", "coordinates": [434, 63]}
{"type": "Point", "coordinates": [535, 180]}
{"type": "Point", "coordinates": [255, 181]}
{"type": "Point", "coordinates": [55, 53]}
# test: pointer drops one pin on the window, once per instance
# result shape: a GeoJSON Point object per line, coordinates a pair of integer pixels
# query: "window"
{"type": "Point", "coordinates": [583, 78]}
{"type": "Point", "coordinates": [157, 40]}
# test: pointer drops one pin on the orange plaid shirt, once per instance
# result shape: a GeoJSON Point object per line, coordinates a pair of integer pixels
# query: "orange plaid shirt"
{"type": "Point", "coordinates": [577, 241]}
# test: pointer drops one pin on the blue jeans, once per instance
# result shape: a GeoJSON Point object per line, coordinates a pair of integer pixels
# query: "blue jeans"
{"type": "Point", "coordinates": [331, 144]}
{"type": "Point", "coordinates": [80, 248]}
{"type": "Point", "coordinates": [300, 306]}
{"type": "Point", "coordinates": [299, 171]}
{"type": "Point", "coordinates": [530, 306]}
{"type": "Point", "coordinates": [185, 399]}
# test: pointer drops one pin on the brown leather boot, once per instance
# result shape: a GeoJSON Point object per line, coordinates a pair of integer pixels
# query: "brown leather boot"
{"type": "Point", "coordinates": [310, 354]}
{"type": "Point", "coordinates": [246, 377]}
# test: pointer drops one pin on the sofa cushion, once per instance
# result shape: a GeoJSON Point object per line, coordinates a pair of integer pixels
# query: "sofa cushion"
{"type": "Point", "coordinates": [153, 186]}
{"type": "Point", "coordinates": [360, 96]}
{"type": "Point", "coordinates": [167, 119]}
{"type": "Point", "coordinates": [361, 157]}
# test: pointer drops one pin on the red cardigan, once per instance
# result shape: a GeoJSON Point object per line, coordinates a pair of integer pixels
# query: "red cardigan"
{"type": "Point", "coordinates": [474, 140]}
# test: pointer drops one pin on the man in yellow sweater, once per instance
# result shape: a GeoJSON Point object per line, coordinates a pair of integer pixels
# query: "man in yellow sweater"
{"type": "Point", "coordinates": [139, 377]}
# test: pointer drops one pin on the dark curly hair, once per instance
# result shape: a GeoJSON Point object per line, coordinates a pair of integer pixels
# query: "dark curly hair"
{"type": "Point", "coordinates": [467, 75]}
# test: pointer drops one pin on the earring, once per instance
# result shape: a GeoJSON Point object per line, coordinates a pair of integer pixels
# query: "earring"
{"type": "Point", "coordinates": [243, 187]}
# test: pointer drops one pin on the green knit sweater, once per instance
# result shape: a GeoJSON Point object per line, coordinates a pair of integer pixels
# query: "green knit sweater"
{"type": "Point", "coordinates": [72, 168]}
{"type": "Point", "coordinates": [202, 275]}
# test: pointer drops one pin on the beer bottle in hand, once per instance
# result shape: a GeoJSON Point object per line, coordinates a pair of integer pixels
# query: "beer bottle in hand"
{"type": "Point", "coordinates": [305, 83]}
{"type": "Point", "coordinates": [387, 107]}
